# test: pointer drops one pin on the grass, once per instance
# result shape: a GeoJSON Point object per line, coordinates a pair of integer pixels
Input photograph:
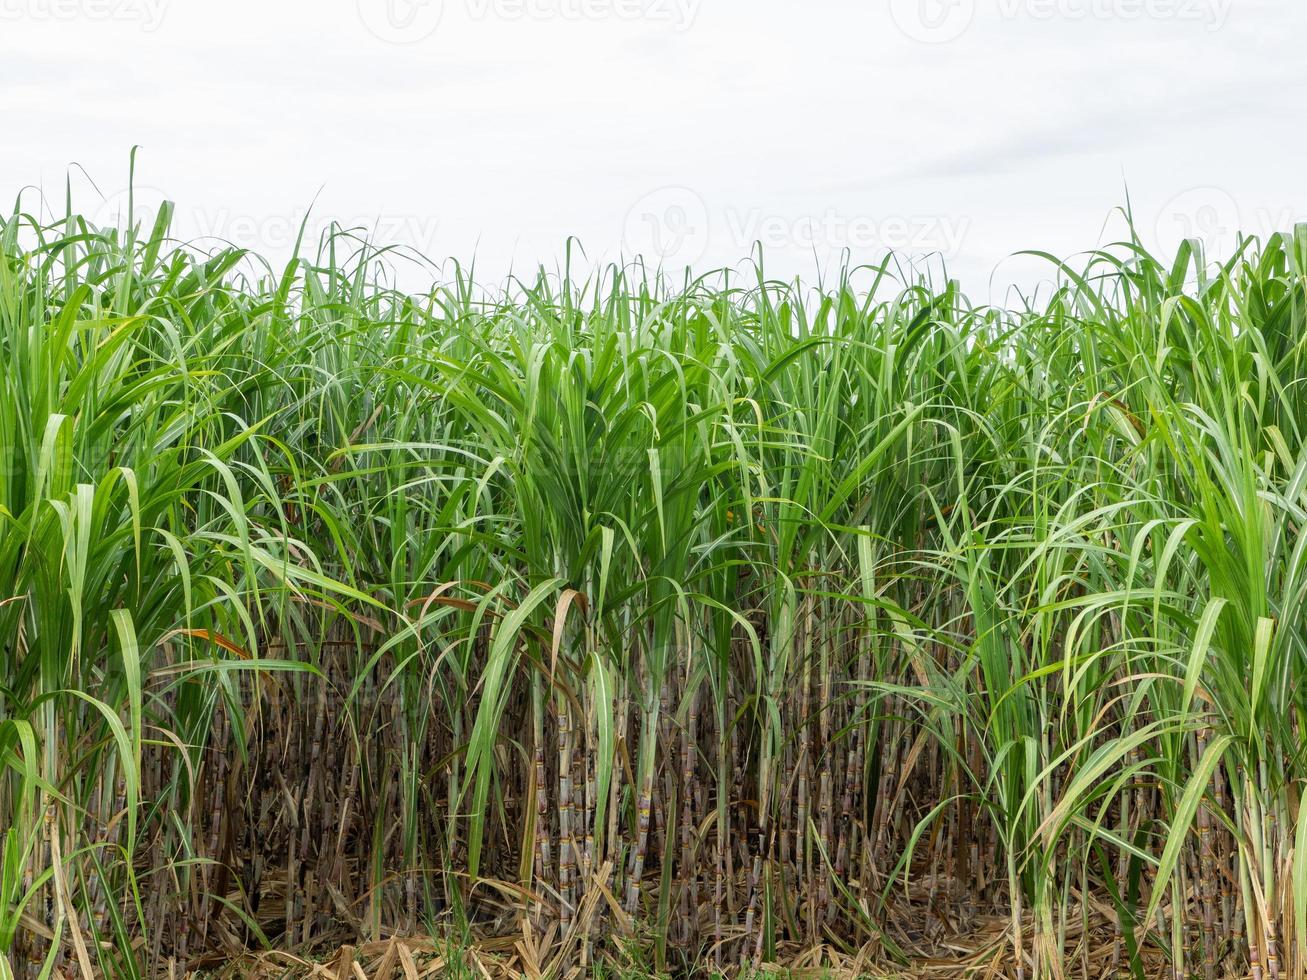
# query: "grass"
{"type": "Point", "coordinates": [607, 625]}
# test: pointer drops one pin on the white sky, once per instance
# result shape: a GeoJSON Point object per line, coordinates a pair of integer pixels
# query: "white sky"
{"type": "Point", "coordinates": [685, 129]}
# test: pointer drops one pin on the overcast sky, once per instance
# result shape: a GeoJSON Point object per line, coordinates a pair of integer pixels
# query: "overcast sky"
{"type": "Point", "coordinates": [683, 129]}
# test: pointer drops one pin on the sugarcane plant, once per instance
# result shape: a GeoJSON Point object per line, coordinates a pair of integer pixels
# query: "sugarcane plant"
{"type": "Point", "coordinates": [695, 623]}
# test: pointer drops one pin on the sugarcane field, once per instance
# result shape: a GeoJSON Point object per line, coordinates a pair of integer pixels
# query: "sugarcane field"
{"type": "Point", "coordinates": [627, 626]}
{"type": "Point", "coordinates": [653, 490]}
